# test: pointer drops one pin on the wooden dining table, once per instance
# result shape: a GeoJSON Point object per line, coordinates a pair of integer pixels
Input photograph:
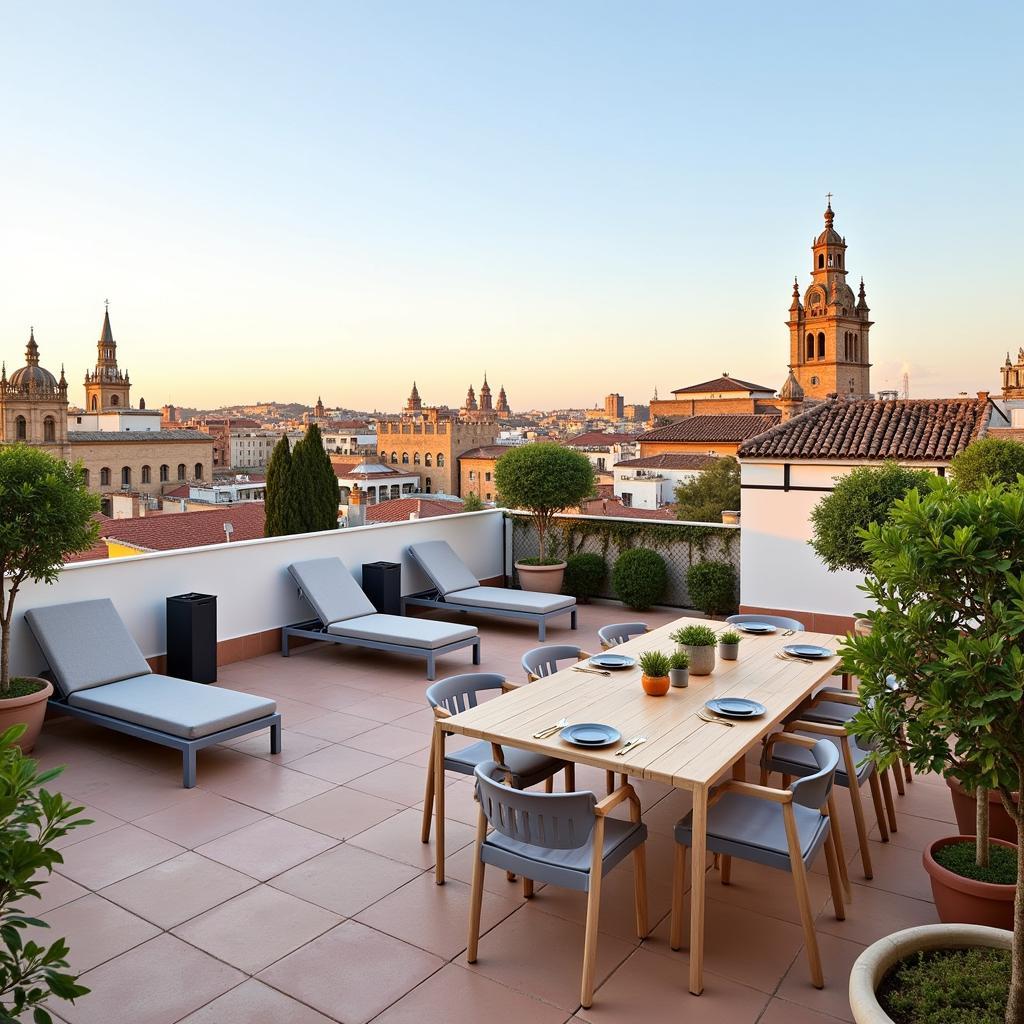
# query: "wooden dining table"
{"type": "Point", "coordinates": [681, 749]}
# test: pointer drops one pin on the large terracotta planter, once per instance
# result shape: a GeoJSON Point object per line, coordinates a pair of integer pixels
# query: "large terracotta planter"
{"type": "Point", "coordinates": [960, 900]}
{"type": "Point", "coordinates": [1000, 824]}
{"type": "Point", "coordinates": [28, 711]}
{"type": "Point", "coordinates": [544, 579]}
{"type": "Point", "coordinates": [875, 962]}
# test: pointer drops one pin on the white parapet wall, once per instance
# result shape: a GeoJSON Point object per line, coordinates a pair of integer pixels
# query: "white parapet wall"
{"type": "Point", "coordinates": [250, 578]}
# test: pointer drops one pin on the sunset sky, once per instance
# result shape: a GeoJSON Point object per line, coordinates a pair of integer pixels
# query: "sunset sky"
{"type": "Point", "coordinates": [282, 201]}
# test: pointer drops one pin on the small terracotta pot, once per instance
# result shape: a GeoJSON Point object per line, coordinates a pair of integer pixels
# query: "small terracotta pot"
{"type": "Point", "coordinates": [965, 900]}
{"type": "Point", "coordinates": [655, 686]}
{"type": "Point", "coordinates": [542, 579]}
{"type": "Point", "coordinates": [702, 659]}
{"type": "Point", "coordinates": [1000, 824]}
{"type": "Point", "coordinates": [29, 711]}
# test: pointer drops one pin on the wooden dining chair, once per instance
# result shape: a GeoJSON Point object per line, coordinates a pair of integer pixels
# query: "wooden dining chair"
{"type": "Point", "coordinates": [780, 828]}
{"type": "Point", "coordinates": [619, 632]}
{"type": "Point", "coordinates": [563, 839]}
{"type": "Point", "coordinates": [779, 621]}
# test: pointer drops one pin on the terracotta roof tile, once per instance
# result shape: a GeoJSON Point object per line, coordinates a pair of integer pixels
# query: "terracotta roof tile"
{"type": "Point", "coordinates": [596, 438]}
{"type": "Point", "coordinates": [397, 510]}
{"type": "Point", "coordinates": [728, 427]}
{"type": "Point", "coordinates": [614, 507]}
{"type": "Point", "coordinates": [669, 460]}
{"type": "Point", "coordinates": [487, 451]}
{"type": "Point", "coordinates": [723, 383]}
{"type": "Point", "coordinates": [174, 530]}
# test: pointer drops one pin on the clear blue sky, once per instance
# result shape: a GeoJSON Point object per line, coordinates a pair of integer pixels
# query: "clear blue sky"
{"type": "Point", "coordinates": [283, 200]}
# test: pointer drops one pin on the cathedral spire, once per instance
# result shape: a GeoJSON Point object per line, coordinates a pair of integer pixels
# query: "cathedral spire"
{"type": "Point", "coordinates": [32, 349]}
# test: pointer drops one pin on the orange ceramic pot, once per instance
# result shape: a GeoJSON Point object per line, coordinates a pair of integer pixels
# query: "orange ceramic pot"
{"type": "Point", "coordinates": [655, 686]}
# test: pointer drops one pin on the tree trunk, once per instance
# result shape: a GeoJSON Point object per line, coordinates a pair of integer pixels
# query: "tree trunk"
{"type": "Point", "coordinates": [981, 824]}
{"type": "Point", "coordinates": [1015, 1003]}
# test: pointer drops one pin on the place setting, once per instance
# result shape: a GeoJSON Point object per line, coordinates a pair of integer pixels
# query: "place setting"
{"type": "Point", "coordinates": [807, 653]}
{"type": "Point", "coordinates": [592, 735]}
{"type": "Point", "coordinates": [606, 663]}
{"type": "Point", "coordinates": [719, 710]}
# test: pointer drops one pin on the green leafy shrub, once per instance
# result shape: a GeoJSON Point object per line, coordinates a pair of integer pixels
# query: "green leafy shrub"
{"type": "Point", "coordinates": [729, 636]}
{"type": "Point", "coordinates": [712, 587]}
{"type": "Point", "coordinates": [695, 636]}
{"type": "Point", "coordinates": [992, 458]}
{"type": "Point", "coordinates": [472, 502]}
{"type": "Point", "coordinates": [584, 575]}
{"type": "Point", "coordinates": [678, 660]}
{"type": "Point", "coordinates": [710, 493]}
{"type": "Point", "coordinates": [639, 578]}
{"type": "Point", "coordinates": [654, 663]}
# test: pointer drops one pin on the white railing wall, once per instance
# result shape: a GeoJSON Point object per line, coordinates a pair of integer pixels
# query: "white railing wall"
{"type": "Point", "coordinates": [250, 578]}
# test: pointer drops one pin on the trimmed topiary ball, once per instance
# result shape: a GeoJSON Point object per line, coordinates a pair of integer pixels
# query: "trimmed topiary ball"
{"type": "Point", "coordinates": [712, 587]}
{"type": "Point", "coordinates": [639, 578]}
{"type": "Point", "coordinates": [584, 576]}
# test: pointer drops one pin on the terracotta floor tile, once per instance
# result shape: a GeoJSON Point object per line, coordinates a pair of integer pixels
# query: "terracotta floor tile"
{"type": "Point", "coordinates": [339, 764]}
{"type": "Point", "coordinates": [252, 1002]}
{"type": "Point", "coordinates": [145, 985]}
{"type": "Point", "coordinates": [898, 870]}
{"type": "Point", "coordinates": [927, 801]}
{"type": "Point", "coordinates": [335, 726]}
{"type": "Point", "coordinates": [267, 787]}
{"type": "Point", "coordinates": [95, 930]}
{"type": "Point", "coordinates": [766, 891]}
{"type": "Point", "coordinates": [389, 741]}
{"type": "Point", "coordinates": [383, 709]}
{"type": "Point", "coordinates": [345, 880]}
{"type": "Point", "coordinates": [256, 928]}
{"type": "Point", "coordinates": [399, 838]}
{"type": "Point", "coordinates": [125, 791]}
{"type": "Point", "coordinates": [111, 856]}
{"type": "Point", "coordinates": [293, 746]}
{"type": "Point", "coordinates": [342, 812]}
{"type": "Point", "coordinates": [837, 957]}
{"type": "Point", "coordinates": [401, 783]}
{"type": "Point", "coordinates": [433, 916]}
{"type": "Point", "coordinates": [266, 848]}
{"type": "Point", "coordinates": [874, 913]}
{"type": "Point", "coordinates": [915, 833]}
{"type": "Point", "coordinates": [457, 996]}
{"type": "Point", "coordinates": [54, 891]}
{"type": "Point", "coordinates": [352, 972]}
{"type": "Point", "coordinates": [199, 820]}
{"type": "Point", "coordinates": [101, 822]}
{"type": "Point", "coordinates": [780, 1011]}
{"type": "Point", "coordinates": [542, 955]}
{"type": "Point", "coordinates": [460, 796]}
{"type": "Point", "coordinates": [649, 987]}
{"type": "Point", "coordinates": [178, 889]}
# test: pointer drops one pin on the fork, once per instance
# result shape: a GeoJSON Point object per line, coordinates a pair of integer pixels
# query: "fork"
{"type": "Point", "coordinates": [714, 721]}
{"type": "Point", "coordinates": [634, 742]}
{"type": "Point", "coordinates": [592, 671]}
{"type": "Point", "coordinates": [550, 730]}
{"type": "Point", "coordinates": [789, 632]}
{"type": "Point", "coordinates": [794, 657]}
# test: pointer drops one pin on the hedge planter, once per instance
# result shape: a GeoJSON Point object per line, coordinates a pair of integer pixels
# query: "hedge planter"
{"type": "Point", "coordinates": [29, 711]}
{"type": "Point", "coordinates": [1000, 824]}
{"type": "Point", "coordinates": [875, 962]}
{"type": "Point", "coordinates": [543, 579]}
{"type": "Point", "coordinates": [960, 900]}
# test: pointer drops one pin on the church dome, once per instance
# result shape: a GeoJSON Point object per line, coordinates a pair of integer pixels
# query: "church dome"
{"type": "Point", "coordinates": [829, 236]}
{"type": "Point", "coordinates": [32, 375]}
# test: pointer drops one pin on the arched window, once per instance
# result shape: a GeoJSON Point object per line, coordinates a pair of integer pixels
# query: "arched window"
{"type": "Point", "coordinates": [416, 458]}
{"type": "Point", "coordinates": [147, 475]}
{"type": "Point", "coordinates": [810, 346]}
{"type": "Point", "coordinates": [49, 429]}
{"type": "Point", "coordinates": [85, 477]}
{"type": "Point", "coordinates": [440, 460]}
{"type": "Point", "coordinates": [428, 459]}
{"type": "Point", "coordinates": [165, 473]}
{"type": "Point", "coordinates": [394, 457]}
{"type": "Point", "coordinates": [821, 261]}
{"type": "Point", "coordinates": [405, 458]}
{"type": "Point", "coordinates": [830, 259]}
{"type": "Point", "coordinates": [383, 456]}
{"type": "Point", "coordinates": [821, 344]}
{"type": "Point", "coordinates": [181, 470]}
{"type": "Point", "coordinates": [20, 429]}
{"type": "Point", "coordinates": [105, 476]}
{"type": "Point", "coordinates": [126, 476]}
{"type": "Point", "coordinates": [114, 400]}
{"type": "Point", "coordinates": [199, 470]}
{"type": "Point", "coordinates": [839, 259]}
{"type": "Point", "coordinates": [94, 405]}
{"type": "Point", "coordinates": [426, 485]}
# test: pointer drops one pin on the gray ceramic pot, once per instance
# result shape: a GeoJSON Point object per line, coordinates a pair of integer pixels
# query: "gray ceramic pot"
{"type": "Point", "coordinates": [679, 676]}
{"type": "Point", "coordinates": [728, 652]}
{"type": "Point", "coordinates": [702, 659]}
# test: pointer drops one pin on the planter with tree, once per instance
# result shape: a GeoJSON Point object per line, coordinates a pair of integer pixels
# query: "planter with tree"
{"type": "Point", "coordinates": [46, 514]}
{"type": "Point", "coordinates": [543, 479]}
{"type": "Point", "coordinates": [698, 644]}
{"type": "Point", "coordinates": [947, 584]}
{"type": "Point", "coordinates": [639, 578]}
{"type": "Point", "coordinates": [712, 587]}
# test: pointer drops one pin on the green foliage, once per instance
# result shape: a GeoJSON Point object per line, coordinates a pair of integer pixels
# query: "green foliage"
{"type": "Point", "coordinates": [639, 578]}
{"type": "Point", "coordinates": [678, 660]}
{"type": "Point", "coordinates": [960, 858]}
{"type": "Point", "coordinates": [729, 636]}
{"type": "Point", "coordinates": [992, 458]}
{"type": "Point", "coordinates": [279, 521]}
{"type": "Point", "coordinates": [584, 575]}
{"type": "Point", "coordinates": [313, 485]}
{"type": "Point", "coordinates": [948, 986]}
{"type": "Point", "coordinates": [695, 636]}
{"type": "Point", "coordinates": [712, 587]}
{"type": "Point", "coordinates": [654, 663]}
{"type": "Point", "coordinates": [543, 478]}
{"type": "Point", "coordinates": [472, 502]}
{"type": "Point", "coordinates": [861, 498]}
{"type": "Point", "coordinates": [712, 492]}
{"type": "Point", "coordinates": [46, 514]}
{"type": "Point", "coordinates": [31, 819]}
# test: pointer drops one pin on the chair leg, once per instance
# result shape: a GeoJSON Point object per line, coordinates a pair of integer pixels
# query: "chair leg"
{"type": "Point", "coordinates": [549, 784]}
{"type": "Point", "coordinates": [570, 777]}
{"type": "Point", "coordinates": [890, 809]}
{"type": "Point", "coordinates": [803, 898]}
{"type": "Point", "coordinates": [477, 894]}
{"type": "Point", "coordinates": [786, 780]}
{"type": "Point", "coordinates": [439, 742]}
{"type": "Point", "coordinates": [590, 939]}
{"type": "Point", "coordinates": [428, 796]}
{"type": "Point", "coordinates": [640, 889]}
{"type": "Point", "coordinates": [678, 884]}
{"type": "Point", "coordinates": [897, 777]}
{"type": "Point", "coordinates": [609, 781]}
{"type": "Point", "coordinates": [858, 810]}
{"type": "Point", "coordinates": [527, 888]}
{"type": "Point", "coordinates": [837, 841]}
{"type": "Point", "coordinates": [763, 778]}
{"type": "Point", "coordinates": [275, 738]}
{"type": "Point", "coordinates": [876, 798]}
{"type": "Point", "coordinates": [834, 881]}
{"type": "Point", "coordinates": [726, 868]}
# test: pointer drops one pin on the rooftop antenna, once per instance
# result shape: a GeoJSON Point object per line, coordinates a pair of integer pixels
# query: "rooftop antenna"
{"type": "Point", "coordinates": [228, 530]}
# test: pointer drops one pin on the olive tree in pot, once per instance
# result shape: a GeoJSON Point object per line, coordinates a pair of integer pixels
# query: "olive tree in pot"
{"type": "Point", "coordinates": [947, 585]}
{"type": "Point", "coordinates": [544, 479]}
{"type": "Point", "coordinates": [46, 514]}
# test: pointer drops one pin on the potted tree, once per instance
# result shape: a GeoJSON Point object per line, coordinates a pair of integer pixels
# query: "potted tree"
{"type": "Point", "coordinates": [947, 584]}
{"type": "Point", "coordinates": [544, 479]}
{"type": "Point", "coordinates": [698, 644]}
{"type": "Point", "coordinates": [46, 514]}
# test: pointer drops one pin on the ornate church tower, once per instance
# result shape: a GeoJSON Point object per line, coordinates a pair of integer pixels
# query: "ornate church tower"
{"type": "Point", "coordinates": [485, 396]}
{"type": "Point", "coordinates": [828, 331]}
{"type": "Point", "coordinates": [106, 387]}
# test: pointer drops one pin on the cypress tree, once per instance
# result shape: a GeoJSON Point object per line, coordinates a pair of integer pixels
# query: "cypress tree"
{"type": "Point", "coordinates": [279, 472]}
{"type": "Point", "coordinates": [315, 485]}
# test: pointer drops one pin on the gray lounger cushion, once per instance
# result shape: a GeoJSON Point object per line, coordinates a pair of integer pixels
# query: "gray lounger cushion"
{"type": "Point", "coordinates": [331, 590]}
{"type": "Point", "coordinates": [510, 600]}
{"type": "Point", "coordinates": [86, 644]}
{"type": "Point", "coordinates": [398, 629]}
{"type": "Point", "coordinates": [175, 706]}
{"type": "Point", "coordinates": [446, 570]}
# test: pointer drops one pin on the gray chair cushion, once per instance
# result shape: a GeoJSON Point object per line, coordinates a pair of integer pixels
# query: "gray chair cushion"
{"type": "Point", "coordinates": [754, 829]}
{"type": "Point", "coordinates": [175, 706]}
{"type": "Point", "coordinates": [329, 587]}
{"type": "Point", "coordinates": [444, 568]}
{"type": "Point", "coordinates": [86, 644]}
{"type": "Point", "coordinates": [527, 767]}
{"type": "Point", "coordinates": [793, 760]}
{"type": "Point", "coordinates": [400, 629]}
{"type": "Point", "coordinates": [510, 600]}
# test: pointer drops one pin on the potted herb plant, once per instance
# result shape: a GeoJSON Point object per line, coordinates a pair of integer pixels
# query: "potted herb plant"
{"type": "Point", "coordinates": [46, 514]}
{"type": "Point", "coordinates": [947, 582]}
{"type": "Point", "coordinates": [544, 479]}
{"type": "Point", "coordinates": [729, 645]}
{"type": "Point", "coordinates": [679, 668]}
{"type": "Point", "coordinates": [655, 668]}
{"type": "Point", "coordinates": [698, 644]}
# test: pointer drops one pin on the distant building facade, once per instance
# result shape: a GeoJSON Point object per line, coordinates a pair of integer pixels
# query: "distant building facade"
{"type": "Point", "coordinates": [614, 407]}
{"type": "Point", "coordinates": [34, 405]}
{"type": "Point", "coordinates": [725, 395]}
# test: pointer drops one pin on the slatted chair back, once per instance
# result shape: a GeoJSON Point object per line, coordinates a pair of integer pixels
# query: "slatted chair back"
{"type": "Point", "coordinates": [458, 693]}
{"type": "Point", "coordinates": [779, 621]}
{"type": "Point", "coordinates": [813, 790]}
{"type": "Point", "coordinates": [543, 661]}
{"type": "Point", "coordinates": [619, 632]}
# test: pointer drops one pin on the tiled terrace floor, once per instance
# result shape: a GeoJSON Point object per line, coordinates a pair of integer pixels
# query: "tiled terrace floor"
{"type": "Point", "coordinates": [295, 888]}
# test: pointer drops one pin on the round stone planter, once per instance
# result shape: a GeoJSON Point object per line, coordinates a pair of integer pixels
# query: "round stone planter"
{"type": "Point", "coordinates": [544, 579]}
{"type": "Point", "coordinates": [29, 711]}
{"type": "Point", "coordinates": [873, 964]}
{"type": "Point", "coordinates": [728, 652]}
{"type": "Point", "coordinates": [960, 900]}
{"type": "Point", "coordinates": [702, 659]}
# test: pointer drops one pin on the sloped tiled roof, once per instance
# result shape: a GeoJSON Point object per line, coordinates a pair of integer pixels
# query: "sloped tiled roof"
{"type": "Point", "coordinates": [723, 383]}
{"type": "Point", "coordinates": [728, 427]}
{"type": "Point", "coordinates": [90, 436]}
{"type": "Point", "coordinates": [487, 451]}
{"type": "Point", "coordinates": [925, 430]}
{"type": "Point", "coordinates": [397, 510]}
{"type": "Point", "coordinates": [174, 530]}
{"type": "Point", "coordinates": [669, 460]}
{"type": "Point", "coordinates": [614, 507]}
{"type": "Point", "coordinates": [595, 439]}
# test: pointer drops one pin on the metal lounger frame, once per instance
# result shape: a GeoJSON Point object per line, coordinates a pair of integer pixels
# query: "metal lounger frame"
{"type": "Point", "coordinates": [187, 747]}
{"type": "Point", "coordinates": [314, 629]}
{"type": "Point", "coordinates": [433, 599]}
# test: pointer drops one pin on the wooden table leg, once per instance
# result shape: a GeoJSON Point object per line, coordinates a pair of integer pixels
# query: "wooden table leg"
{"type": "Point", "coordinates": [698, 867]}
{"type": "Point", "coordinates": [439, 740]}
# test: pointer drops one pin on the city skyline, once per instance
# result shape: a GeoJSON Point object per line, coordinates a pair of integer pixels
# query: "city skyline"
{"type": "Point", "coordinates": [578, 200]}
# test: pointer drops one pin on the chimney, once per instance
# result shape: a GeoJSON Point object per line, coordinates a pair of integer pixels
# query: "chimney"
{"type": "Point", "coordinates": [356, 510]}
{"type": "Point", "coordinates": [982, 396]}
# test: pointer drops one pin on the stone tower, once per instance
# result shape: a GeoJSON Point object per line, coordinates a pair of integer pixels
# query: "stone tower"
{"type": "Point", "coordinates": [485, 396]}
{"type": "Point", "coordinates": [828, 331]}
{"type": "Point", "coordinates": [106, 387]}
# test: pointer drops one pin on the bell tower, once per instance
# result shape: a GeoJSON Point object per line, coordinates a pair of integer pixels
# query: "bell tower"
{"type": "Point", "coordinates": [106, 387]}
{"type": "Point", "coordinates": [828, 330]}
